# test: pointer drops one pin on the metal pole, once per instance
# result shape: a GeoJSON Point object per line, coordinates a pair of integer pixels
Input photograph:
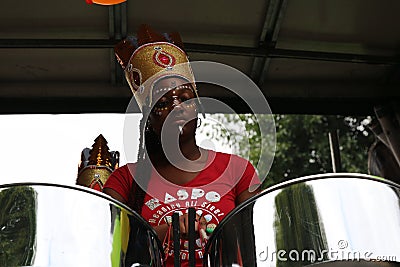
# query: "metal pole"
{"type": "Point", "coordinates": [192, 237]}
{"type": "Point", "coordinates": [177, 243]}
{"type": "Point", "coordinates": [333, 136]}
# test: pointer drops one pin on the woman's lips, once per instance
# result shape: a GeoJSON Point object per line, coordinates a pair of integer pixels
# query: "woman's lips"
{"type": "Point", "coordinates": [180, 119]}
{"type": "Point", "coordinates": [180, 122]}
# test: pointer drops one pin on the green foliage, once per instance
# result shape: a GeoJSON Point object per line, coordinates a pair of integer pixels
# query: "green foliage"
{"type": "Point", "coordinates": [17, 226]}
{"type": "Point", "coordinates": [302, 147]}
{"type": "Point", "coordinates": [302, 143]}
{"type": "Point", "coordinates": [298, 226]}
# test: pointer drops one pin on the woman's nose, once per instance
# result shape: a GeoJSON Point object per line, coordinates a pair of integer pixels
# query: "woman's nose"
{"type": "Point", "coordinates": [176, 102]}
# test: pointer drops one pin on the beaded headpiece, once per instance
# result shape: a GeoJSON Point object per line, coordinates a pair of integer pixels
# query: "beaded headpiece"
{"type": "Point", "coordinates": [150, 57]}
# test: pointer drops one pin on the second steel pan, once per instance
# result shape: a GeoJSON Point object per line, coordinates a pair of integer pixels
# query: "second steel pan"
{"type": "Point", "coordinates": [54, 225]}
{"type": "Point", "coordinates": [325, 220]}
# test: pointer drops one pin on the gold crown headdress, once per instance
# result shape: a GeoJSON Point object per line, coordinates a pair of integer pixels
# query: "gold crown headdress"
{"type": "Point", "coordinates": [149, 58]}
{"type": "Point", "coordinates": [97, 164]}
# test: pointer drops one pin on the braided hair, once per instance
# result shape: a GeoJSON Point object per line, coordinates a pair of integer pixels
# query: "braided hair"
{"type": "Point", "coordinates": [148, 143]}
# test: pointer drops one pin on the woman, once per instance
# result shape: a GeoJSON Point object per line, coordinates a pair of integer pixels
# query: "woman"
{"type": "Point", "coordinates": [173, 173]}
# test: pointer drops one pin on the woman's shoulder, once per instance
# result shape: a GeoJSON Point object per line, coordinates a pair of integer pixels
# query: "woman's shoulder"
{"type": "Point", "coordinates": [224, 161]}
{"type": "Point", "coordinates": [125, 170]}
{"type": "Point", "coordinates": [228, 156]}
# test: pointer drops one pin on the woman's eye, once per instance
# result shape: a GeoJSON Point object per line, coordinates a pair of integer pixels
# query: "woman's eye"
{"type": "Point", "coordinates": [162, 104]}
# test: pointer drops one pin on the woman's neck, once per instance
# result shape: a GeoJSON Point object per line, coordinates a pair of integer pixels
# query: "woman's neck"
{"type": "Point", "coordinates": [187, 150]}
{"type": "Point", "coordinates": [181, 170]}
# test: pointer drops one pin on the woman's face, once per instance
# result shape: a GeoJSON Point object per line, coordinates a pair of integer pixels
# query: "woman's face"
{"type": "Point", "coordinates": [176, 110]}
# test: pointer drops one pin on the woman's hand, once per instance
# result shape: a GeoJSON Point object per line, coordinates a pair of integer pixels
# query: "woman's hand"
{"type": "Point", "coordinates": [199, 224]}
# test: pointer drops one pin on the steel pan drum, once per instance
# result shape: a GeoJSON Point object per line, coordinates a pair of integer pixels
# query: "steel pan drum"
{"type": "Point", "coordinates": [323, 221]}
{"type": "Point", "coordinates": [54, 225]}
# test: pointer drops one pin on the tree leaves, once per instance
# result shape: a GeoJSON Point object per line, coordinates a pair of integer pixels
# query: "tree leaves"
{"type": "Point", "coordinates": [302, 144]}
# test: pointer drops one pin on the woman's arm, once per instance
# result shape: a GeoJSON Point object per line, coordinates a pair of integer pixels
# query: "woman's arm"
{"type": "Point", "coordinates": [112, 193]}
{"type": "Point", "coordinates": [161, 230]}
{"type": "Point", "coordinates": [246, 195]}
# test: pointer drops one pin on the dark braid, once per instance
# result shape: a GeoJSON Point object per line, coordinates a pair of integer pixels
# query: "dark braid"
{"type": "Point", "coordinates": [143, 168]}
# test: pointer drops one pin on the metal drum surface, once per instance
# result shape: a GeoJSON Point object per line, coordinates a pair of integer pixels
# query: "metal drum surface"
{"type": "Point", "coordinates": [322, 220]}
{"type": "Point", "coordinates": [54, 225]}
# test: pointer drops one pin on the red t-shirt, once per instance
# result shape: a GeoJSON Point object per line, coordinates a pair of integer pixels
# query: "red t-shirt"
{"type": "Point", "coordinates": [212, 193]}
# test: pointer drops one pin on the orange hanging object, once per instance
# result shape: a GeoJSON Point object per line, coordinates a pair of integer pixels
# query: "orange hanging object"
{"type": "Point", "coordinates": [105, 2]}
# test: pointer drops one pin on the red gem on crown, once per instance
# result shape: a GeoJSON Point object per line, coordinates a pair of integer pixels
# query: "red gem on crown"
{"type": "Point", "coordinates": [163, 59]}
